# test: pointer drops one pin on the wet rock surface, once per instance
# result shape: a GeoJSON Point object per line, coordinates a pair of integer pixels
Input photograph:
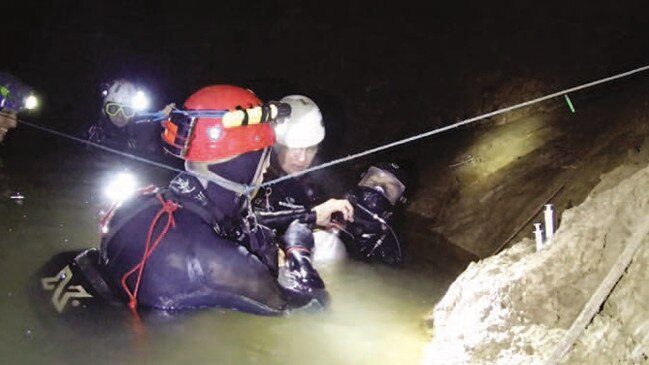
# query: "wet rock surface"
{"type": "Point", "coordinates": [514, 307]}
{"type": "Point", "coordinates": [490, 182]}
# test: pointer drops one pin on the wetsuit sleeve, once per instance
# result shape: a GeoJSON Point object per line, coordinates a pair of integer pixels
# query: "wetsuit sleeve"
{"type": "Point", "coordinates": [280, 220]}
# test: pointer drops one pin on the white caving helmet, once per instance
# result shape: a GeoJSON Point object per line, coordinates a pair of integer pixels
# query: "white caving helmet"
{"type": "Point", "coordinates": [122, 100]}
{"type": "Point", "coordinates": [303, 128]}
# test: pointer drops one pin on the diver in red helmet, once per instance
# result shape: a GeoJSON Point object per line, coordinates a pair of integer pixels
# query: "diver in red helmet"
{"type": "Point", "coordinates": [197, 243]}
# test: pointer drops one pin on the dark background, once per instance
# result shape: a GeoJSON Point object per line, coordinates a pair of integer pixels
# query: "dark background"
{"type": "Point", "coordinates": [380, 71]}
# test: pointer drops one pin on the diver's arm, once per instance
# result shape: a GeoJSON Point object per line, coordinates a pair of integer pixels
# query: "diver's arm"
{"type": "Point", "coordinates": [331, 206]}
{"type": "Point", "coordinates": [280, 220]}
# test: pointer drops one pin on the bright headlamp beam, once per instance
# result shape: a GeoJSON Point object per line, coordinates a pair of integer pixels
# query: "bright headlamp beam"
{"type": "Point", "coordinates": [140, 101]}
{"type": "Point", "coordinates": [31, 102]}
{"type": "Point", "coordinates": [121, 187]}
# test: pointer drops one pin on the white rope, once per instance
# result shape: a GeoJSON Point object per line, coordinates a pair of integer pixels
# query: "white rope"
{"type": "Point", "coordinates": [456, 125]}
{"type": "Point", "coordinates": [370, 151]}
{"type": "Point", "coordinates": [99, 146]}
{"type": "Point", "coordinates": [225, 183]}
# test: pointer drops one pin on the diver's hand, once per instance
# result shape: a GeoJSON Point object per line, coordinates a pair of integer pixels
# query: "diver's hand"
{"type": "Point", "coordinates": [167, 109]}
{"type": "Point", "coordinates": [331, 206]}
{"type": "Point", "coordinates": [7, 122]}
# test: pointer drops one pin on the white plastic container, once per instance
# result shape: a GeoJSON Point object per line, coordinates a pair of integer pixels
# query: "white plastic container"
{"type": "Point", "coordinates": [538, 236]}
{"type": "Point", "coordinates": [548, 214]}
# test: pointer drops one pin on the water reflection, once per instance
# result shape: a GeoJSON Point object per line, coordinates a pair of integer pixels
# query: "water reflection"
{"type": "Point", "coordinates": [374, 316]}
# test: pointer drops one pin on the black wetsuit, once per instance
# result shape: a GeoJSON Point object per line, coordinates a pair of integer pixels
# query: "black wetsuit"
{"type": "Point", "coordinates": [294, 193]}
{"type": "Point", "coordinates": [107, 134]}
{"type": "Point", "coordinates": [210, 256]}
{"type": "Point", "coordinates": [365, 239]}
{"type": "Point", "coordinates": [370, 237]}
{"type": "Point", "coordinates": [140, 139]}
{"type": "Point", "coordinates": [298, 195]}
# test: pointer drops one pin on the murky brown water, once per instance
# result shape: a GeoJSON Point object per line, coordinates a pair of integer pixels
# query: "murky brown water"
{"type": "Point", "coordinates": [374, 317]}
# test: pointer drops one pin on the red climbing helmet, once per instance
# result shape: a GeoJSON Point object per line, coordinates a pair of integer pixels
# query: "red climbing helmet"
{"type": "Point", "coordinates": [220, 122]}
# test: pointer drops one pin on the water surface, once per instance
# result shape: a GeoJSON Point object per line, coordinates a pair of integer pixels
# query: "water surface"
{"type": "Point", "coordinates": [374, 317]}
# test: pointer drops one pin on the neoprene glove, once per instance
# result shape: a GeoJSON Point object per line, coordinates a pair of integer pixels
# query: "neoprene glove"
{"type": "Point", "coordinates": [301, 275]}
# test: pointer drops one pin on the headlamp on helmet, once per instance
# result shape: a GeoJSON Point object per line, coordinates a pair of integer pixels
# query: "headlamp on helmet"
{"type": "Point", "coordinates": [122, 100]}
{"type": "Point", "coordinates": [15, 96]}
{"type": "Point", "coordinates": [221, 122]}
{"type": "Point", "coordinates": [30, 102]}
{"type": "Point", "coordinates": [303, 128]}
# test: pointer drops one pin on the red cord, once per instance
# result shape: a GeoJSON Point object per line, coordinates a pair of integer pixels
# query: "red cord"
{"type": "Point", "coordinates": [168, 207]}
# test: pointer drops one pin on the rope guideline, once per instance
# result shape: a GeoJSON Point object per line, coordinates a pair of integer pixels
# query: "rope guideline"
{"type": "Point", "coordinates": [400, 142]}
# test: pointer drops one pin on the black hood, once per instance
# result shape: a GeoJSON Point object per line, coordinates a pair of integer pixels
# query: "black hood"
{"type": "Point", "coordinates": [240, 169]}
